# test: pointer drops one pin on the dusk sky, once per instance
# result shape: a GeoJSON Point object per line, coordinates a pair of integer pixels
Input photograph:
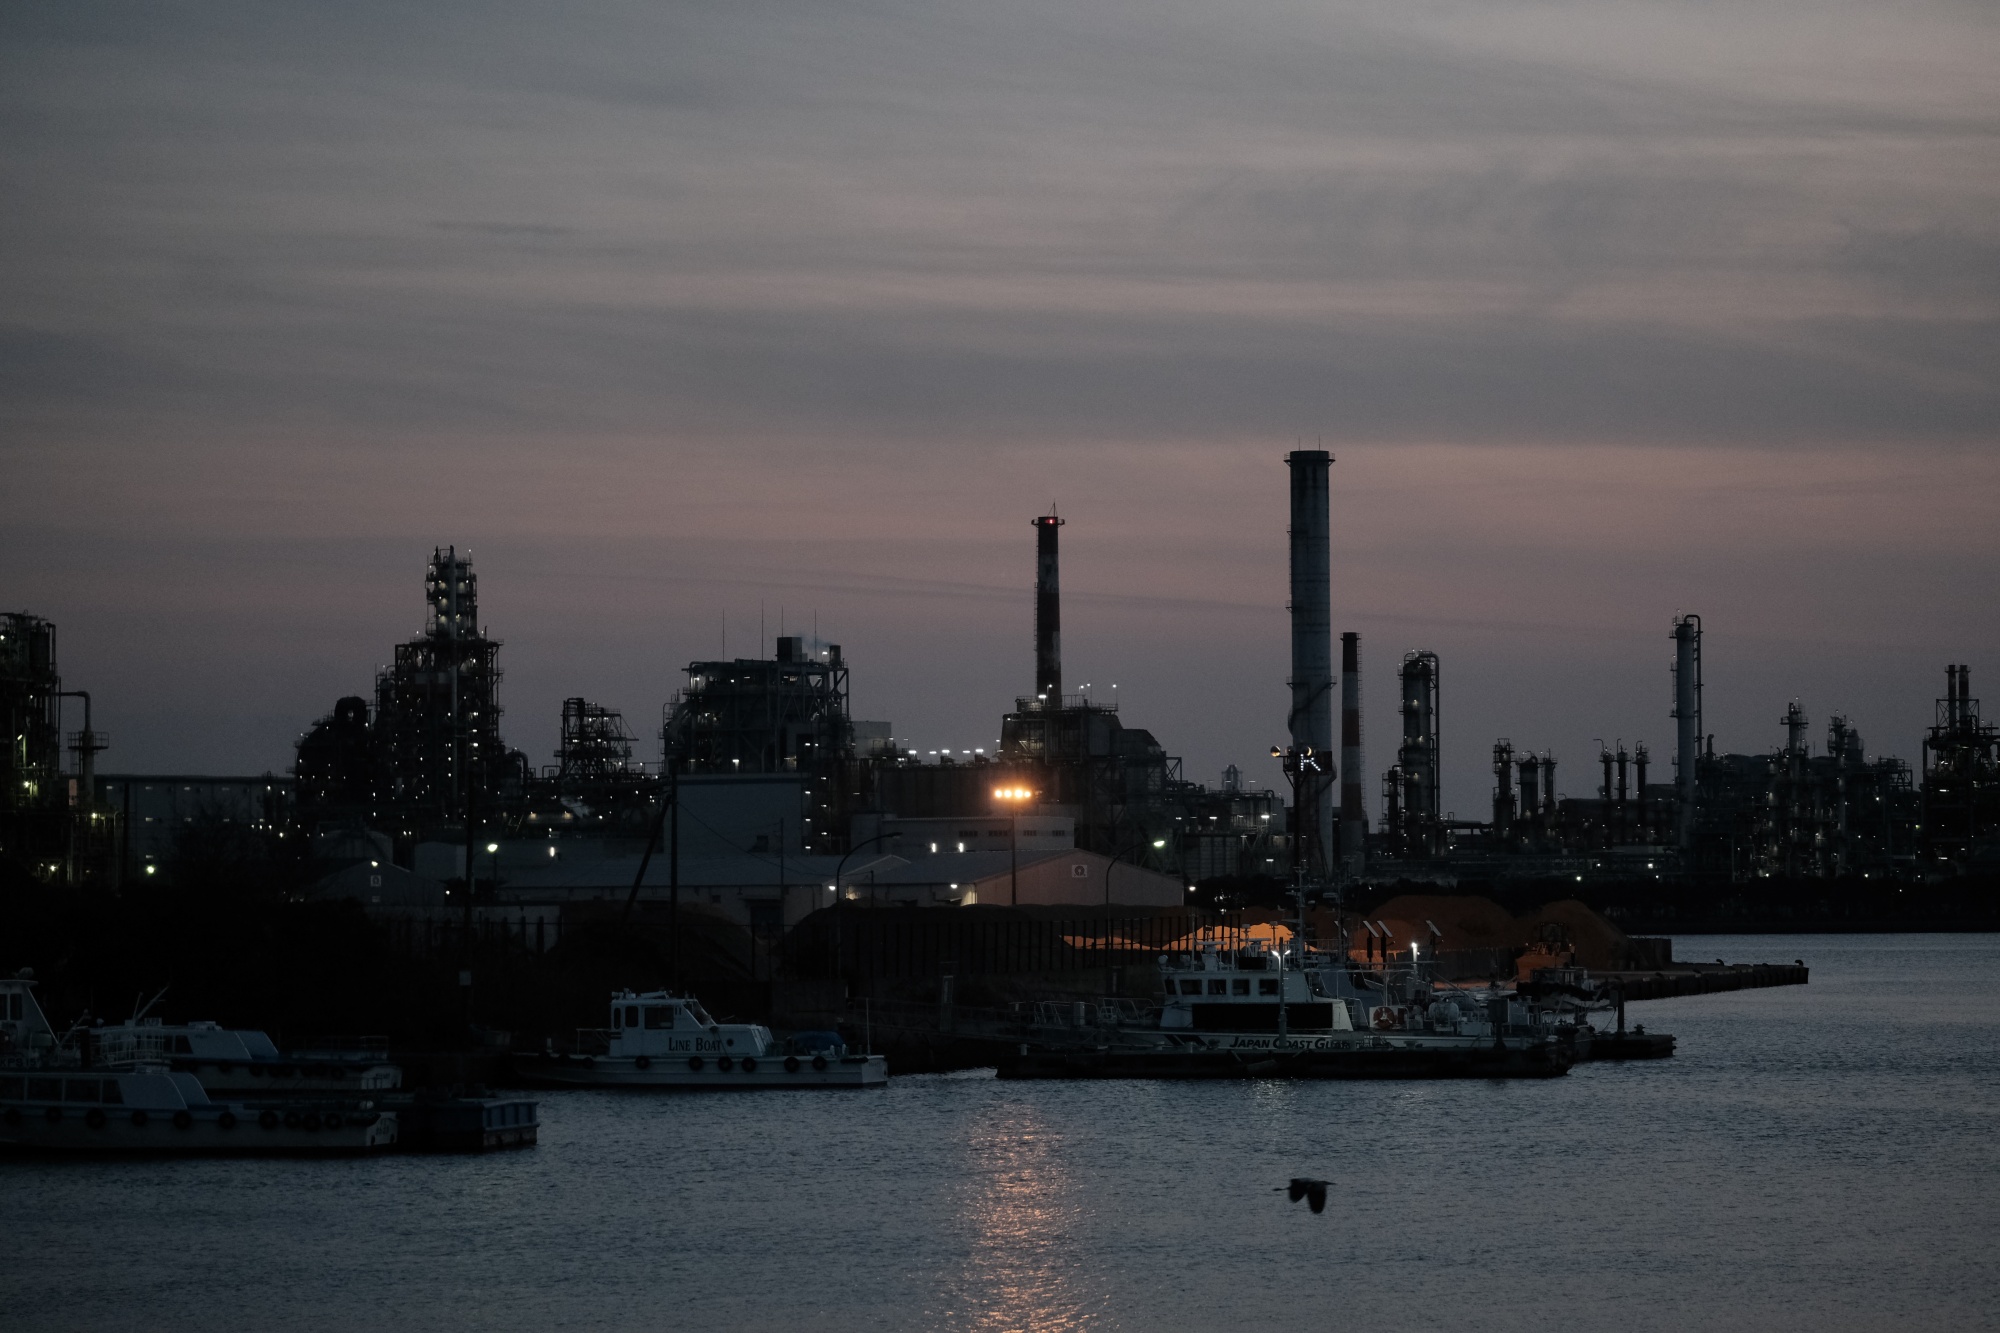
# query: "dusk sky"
{"type": "Point", "coordinates": [673, 312]}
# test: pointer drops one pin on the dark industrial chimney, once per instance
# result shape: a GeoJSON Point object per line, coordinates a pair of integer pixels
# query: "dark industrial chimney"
{"type": "Point", "coordinates": [1687, 714]}
{"type": "Point", "coordinates": [1311, 720]}
{"type": "Point", "coordinates": [1048, 613]}
{"type": "Point", "coordinates": [1353, 818]}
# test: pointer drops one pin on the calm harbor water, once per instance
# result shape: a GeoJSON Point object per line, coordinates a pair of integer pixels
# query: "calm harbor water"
{"type": "Point", "coordinates": [1825, 1157]}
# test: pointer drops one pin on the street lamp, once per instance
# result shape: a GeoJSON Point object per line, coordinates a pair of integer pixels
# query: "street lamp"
{"type": "Point", "coordinates": [1304, 767]}
{"type": "Point", "coordinates": [1302, 764]}
{"type": "Point", "coordinates": [1013, 798]}
{"type": "Point", "coordinates": [841, 869]}
{"type": "Point", "coordinates": [1157, 843]}
{"type": "Point", "coordinates": [493, 850]}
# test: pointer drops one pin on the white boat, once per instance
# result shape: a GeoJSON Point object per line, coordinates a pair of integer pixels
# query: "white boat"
{"type": "Point", "coordinates": [243, 1061]}
{"type": "Point", "coordinates": [50, 1102]}
{"type": "Point", "coordinates": [1255, 1011]}
{"type": "Point", "coordinates": [661, 1040]}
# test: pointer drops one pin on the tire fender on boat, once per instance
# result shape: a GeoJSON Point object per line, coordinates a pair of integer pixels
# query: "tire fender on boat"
{"type": "Point", "coordinates": [643, 1062]}
{"type": "Point", "coordinates": [749, 1064]}
{"type": "Point", "coordinates": [333, 1120]}
{"type": "Point", "coordinates": [819, 1061]}
{"type": "Point", "coordinates": [268, 1120]}
{"type": "Point", "coordinates": [791, 1064]}
{"type": "Point", "coordinates": [725, 1064]}
{"type": "Point", "coordinates": [694, 1063]}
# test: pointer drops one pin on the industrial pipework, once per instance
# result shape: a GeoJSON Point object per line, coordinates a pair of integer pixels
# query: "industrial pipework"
{"type": "Point", "coordinates": [1048, 612]}
{"type": "Point", "coordinates": [1311, 720]}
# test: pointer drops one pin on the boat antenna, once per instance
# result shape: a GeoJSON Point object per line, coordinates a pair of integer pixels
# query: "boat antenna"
{"type": "Point", "coordinates": [145, 1009]}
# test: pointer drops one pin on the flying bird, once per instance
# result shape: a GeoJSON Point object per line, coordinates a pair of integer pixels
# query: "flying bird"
{"type": "Point", "coordinates": [1312, 1191]}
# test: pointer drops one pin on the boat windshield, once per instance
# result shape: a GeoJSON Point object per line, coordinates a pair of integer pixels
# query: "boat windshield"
{"type": "Point", "coordinates": [699, 1014]}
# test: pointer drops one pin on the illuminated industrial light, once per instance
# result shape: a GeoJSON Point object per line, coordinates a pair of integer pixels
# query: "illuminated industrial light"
{"type": "Point", "coordinates": [1159, 842]}
{"type": "Point", "coordinates": [151, 869]}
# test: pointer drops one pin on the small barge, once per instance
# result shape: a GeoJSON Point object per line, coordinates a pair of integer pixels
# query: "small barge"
{"type": "Point", "coordinates": [466, 1121]}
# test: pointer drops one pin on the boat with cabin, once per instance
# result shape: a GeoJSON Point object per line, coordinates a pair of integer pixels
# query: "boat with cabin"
{"type": "Point", "coordinates": [244, 1061]}
{"type": "Point", "coordinates": [661, 1040]}
{"type": "Point", "coordinates": [51, 1099]}
{"type": "Point", "coordinates": [1252, 1010]}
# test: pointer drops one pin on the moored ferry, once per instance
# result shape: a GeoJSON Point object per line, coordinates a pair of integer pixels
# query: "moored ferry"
{"type": "Point", "coordinates": [1256, 1011]}
{"type": "Point", "coordinates": [661, 1040]}
{"type": "Point", "coordinates": [50, 1101]}
{"type": "Point", "coordinates": [243, 1061]}
{"type": "Point", "coordinates": [152, 1109]}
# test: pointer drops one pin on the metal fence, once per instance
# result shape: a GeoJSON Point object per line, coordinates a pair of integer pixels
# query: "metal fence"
{"type": "Point", "coordinates": [437, 937]}
{"type": "Point", "coordinates": [930, 943]}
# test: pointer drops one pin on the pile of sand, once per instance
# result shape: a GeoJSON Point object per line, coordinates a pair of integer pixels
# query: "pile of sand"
{"type": "Point", "coordinates": [1553, 934]}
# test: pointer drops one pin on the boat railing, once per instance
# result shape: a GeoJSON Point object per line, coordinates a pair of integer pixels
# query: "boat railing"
{"type": "Point", "coordinates": [127, 1045]}
{"type": "Point", "coordinates": [348, 1047]}
{"type": "Point", "coordinates": [1081, 1015]}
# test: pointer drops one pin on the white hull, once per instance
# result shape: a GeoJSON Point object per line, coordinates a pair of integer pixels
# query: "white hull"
{"type": "Point", "coordinates": [223, 1080]}
{"type": "Point", "coordinates": [203, 1133]}
{"type": "Point", "coordinates": [848, 1071]}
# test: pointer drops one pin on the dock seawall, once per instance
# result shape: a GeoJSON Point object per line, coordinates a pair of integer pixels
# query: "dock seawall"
{"type": "Point", "coordinates": [1704, 979]}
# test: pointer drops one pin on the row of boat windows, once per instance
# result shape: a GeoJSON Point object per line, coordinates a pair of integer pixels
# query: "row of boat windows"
{"type": "Point", "coordinates": [657, 1016]}
{"type": "Point", "coordinates": [62, 1090]}
{"type": "Point", "coordinates": [175, 1045]}
{"type": "Point", "coordinates": [1230, 986]}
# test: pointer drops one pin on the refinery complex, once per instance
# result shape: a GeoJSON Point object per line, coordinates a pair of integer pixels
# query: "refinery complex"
{"type": "Point", "coordinates": [761, 797]}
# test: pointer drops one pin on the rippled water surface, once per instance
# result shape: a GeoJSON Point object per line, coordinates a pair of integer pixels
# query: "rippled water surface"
{"type": "Point", "coordinates": [1815, 1158]}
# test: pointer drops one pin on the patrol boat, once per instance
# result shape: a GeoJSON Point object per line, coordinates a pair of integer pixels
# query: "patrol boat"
{"type": "Point", "coordinates": [49, 1101]}
{"type": "Point", "coordinates": [1254, 1012]}
{"type": "Point", "coordinates": [661, 1040]}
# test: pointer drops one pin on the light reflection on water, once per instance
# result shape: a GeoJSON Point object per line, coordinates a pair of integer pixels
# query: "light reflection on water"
{"type": "Point", "coordinates": [1816, 1159]}
{"type": "Point", "coordinates": [1023, 1213]}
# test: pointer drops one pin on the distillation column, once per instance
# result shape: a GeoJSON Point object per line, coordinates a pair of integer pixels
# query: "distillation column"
{"type": "Point", "coordinates": [1353, 817]}
{"type": "Point", "coordinates": [1418, 757]}
{"type": "Point", "coordinates": [1687, 716]}
{"type": "Point", "coordinates": [1311, 721]}
{"type": "Point", "coordinates": [1048, 613]}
